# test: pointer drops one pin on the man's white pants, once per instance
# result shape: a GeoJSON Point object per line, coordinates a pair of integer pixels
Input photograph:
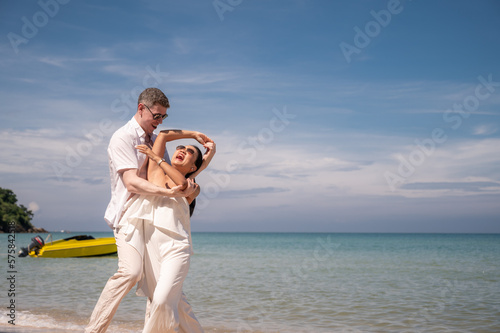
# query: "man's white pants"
{"type": "Point", "coordinates": [129, 272]}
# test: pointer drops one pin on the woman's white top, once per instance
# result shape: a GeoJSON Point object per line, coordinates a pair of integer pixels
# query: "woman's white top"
{"type": "Point", "coordinates": [170, 214]}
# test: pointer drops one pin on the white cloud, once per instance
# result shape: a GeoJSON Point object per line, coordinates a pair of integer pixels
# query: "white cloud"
{"type": "Point", "coordinates": [183, 45]}
{"type": "Point", "coordinates": [202, 78]}
{"type": "Point", "coordinates": [486, 129]}
{"type": "Point", "coordinates": [42, 152]}
{"type": "Point", "coordinates": [33, 206]}
{"type": "Point", "coordinates": [457, 162]}
{"type": "Point", "coordinates": [352, 121]}
{"type": "Point", "coordinates": [312, 171]}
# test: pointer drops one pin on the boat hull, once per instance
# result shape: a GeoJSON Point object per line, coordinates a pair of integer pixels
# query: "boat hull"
{"type": "Point", "coordinates": [77, 248]}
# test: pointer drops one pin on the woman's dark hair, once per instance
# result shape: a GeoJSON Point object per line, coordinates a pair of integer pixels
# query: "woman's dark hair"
{"type": "Point", "coordinates": [197, 163]}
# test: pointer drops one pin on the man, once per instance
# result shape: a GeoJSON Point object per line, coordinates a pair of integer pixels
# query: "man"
{"type": "Point", "coordinates": [124, 163]}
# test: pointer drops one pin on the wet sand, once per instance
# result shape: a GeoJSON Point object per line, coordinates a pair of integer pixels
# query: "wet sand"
{"type": "Point", "coordinates": [17, 329]}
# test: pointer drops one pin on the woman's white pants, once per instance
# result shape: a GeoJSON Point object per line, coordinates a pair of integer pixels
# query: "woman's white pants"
{"type": "Point", "coordinates": [166, 265]}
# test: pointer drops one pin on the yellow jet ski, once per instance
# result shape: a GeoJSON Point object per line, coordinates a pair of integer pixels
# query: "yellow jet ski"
{"type": "Point", "coordinates": [76, 246]}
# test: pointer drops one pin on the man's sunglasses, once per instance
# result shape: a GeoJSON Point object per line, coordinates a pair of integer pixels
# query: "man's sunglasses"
{"type": "Point", "coordinates": [190, 151]}
{"type": "Point", "coordinates": [157, 116]}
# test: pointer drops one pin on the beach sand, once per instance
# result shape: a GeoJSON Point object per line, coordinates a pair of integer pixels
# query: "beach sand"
{"type": "Point", "coordinates": [14, 329]}
{"type": "Point", "coordinates": [17, 329]}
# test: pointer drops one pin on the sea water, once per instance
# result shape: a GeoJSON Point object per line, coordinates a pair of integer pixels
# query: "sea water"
{"type": "Point", "coordinates": [282, 282]}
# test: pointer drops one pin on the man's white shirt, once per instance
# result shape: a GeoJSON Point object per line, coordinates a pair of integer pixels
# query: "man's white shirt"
{"type": "Point", "coordinates": [123, 155]}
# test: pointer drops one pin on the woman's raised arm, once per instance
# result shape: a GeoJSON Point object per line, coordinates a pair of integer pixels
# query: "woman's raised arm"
{"type": "Point", "coordinates": [207, 158]}
{"type": "Point", "coordinates": [174, 134]}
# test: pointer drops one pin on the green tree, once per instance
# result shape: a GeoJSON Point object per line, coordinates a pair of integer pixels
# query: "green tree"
{"type": "Point", "coordinates": [11, 212]}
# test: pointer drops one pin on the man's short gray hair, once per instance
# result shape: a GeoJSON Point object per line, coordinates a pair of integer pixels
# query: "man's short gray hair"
{"type": "Point", "coordinates": [152, 96]}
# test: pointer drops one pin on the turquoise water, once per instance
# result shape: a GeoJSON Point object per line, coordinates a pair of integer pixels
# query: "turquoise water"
{"type": "Point", "coordinates": [273, 282]}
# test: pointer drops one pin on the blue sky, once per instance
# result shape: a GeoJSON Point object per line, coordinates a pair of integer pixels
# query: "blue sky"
{"type": "Point", "coordinates": [329, 116]}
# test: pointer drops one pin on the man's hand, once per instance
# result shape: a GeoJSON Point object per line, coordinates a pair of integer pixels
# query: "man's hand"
{"type": "Point", "coordinates": [177, 192]}
{"type": "Point", "coordinates": [201, 138]}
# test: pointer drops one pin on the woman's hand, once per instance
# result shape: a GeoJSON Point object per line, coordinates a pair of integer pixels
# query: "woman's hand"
{"type": "Point", "coordinates": [209, 154]}
{"type": "Point", "coordinates": [202, 138]}
{"type": "Point", "coordinates": [146, 150]}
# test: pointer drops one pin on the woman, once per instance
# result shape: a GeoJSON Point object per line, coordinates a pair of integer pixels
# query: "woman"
{"type": "Point", "coordinates": [159, 228]}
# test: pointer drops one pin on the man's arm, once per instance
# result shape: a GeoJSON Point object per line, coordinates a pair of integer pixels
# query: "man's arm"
{"type": "Point", "coordinates": [138, 185]}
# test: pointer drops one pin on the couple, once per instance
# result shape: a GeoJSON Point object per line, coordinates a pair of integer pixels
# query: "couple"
{"type": "Point", "coordinates": [150, 208]}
